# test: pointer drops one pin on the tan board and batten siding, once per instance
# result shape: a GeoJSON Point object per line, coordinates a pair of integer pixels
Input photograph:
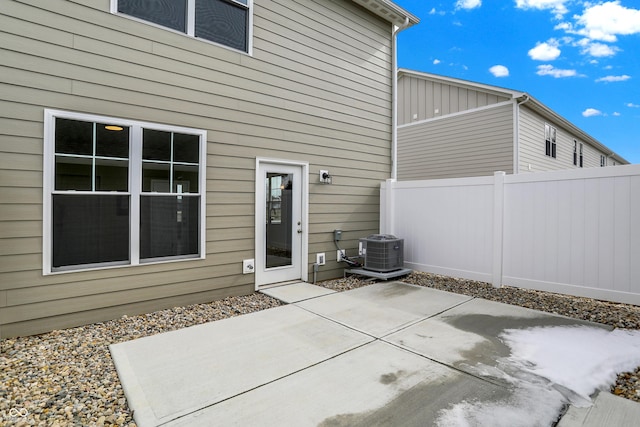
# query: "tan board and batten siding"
{"type": "Point", "coordinates": [422, 99]}
{"type": "Point", "coordinates": [317, 89]}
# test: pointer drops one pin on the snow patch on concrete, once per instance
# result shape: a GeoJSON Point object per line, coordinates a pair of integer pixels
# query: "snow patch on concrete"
{"type": "Point", "coordinates": [548, 368]}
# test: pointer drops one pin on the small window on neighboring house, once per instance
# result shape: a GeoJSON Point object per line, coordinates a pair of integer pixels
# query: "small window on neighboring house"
{"type": "Point", "coordinates": [581, 157]}
{"type": "Point", "coordinates": [575, 152]}
{"type": "Point", "coordinates": [603, 160]}
{"type": "Point", "coordinates": [119, 192]}
{"type": "Point", "coordinates": [226, 22]}
{"type": "Point", "coordinates": [550, 140]}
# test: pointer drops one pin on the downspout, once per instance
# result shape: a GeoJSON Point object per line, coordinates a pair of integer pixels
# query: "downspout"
{"type": "Point", "coordinates": [516, 142]}
{"type": "Point", "coordinates": [394, 97]}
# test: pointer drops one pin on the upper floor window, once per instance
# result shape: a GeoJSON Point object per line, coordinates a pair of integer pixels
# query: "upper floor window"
{"type": "Point", "coordinates": [577, 153]}
{"type": "Point", "coordinates": [603, 160]}
{"type": "Point", "coordinates": [120, 192]}
{"type": "Point", "coordinates": [550, 140]}
{"type": "Point", "coordinates": [227, 22]}
{"type": "Point", "coordinates": [580, 161]}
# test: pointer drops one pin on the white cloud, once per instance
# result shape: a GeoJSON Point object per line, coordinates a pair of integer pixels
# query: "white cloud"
{"type": "Point", "coordinates": [566, 26]}
{"type": "Point", "coordinates": [556, 6]}
{"type": "Point", "coordinates": [616, 114]}
{"type": "Point", "coordinates": [436, 61]}
{"type": "Point", "coordinates": [547, 51]}
{"type": "Point", "coordinates": [549, 70]}
{"type": "Point", "coordinates": [632, 105]}
{"type": "Point", "coordinates": [591, 112]}
{"type": "Point", "coordinates": [613, 78]}
{"type": "Point", "coordinates": [499, 71]}
{"type": "Point", "coordinates": [599, 50]}
{"type": "Point", "coordinates": [468, 4]}
{"type": "Point", "coordinates": [605, 21]}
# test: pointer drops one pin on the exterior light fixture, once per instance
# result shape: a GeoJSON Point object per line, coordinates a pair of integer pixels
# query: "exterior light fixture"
{"type": "Point", "coordinates": [113, 127]}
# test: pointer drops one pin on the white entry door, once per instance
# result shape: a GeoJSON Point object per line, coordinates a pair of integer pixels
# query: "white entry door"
{"type": "Point", "coordinates": [281, 231]}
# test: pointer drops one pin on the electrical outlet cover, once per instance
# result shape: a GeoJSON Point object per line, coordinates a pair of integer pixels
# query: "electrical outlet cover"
{"type": "Point", "coordinates": [248, 266]}
{"type": "Point", "coordinates": [320, 259]}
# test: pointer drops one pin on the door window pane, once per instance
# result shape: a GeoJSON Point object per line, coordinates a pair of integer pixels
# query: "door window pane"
{"type": "Point", "coordinates": [222, 22]}
{"type": "Point", "coordinates": [168, 13]}
{"type": "Point", "coordinates": [169, 226]}
{"type": "Point", "coordinates": [279, 225]}
{"type": "Point", "coordinates": [89, 229]}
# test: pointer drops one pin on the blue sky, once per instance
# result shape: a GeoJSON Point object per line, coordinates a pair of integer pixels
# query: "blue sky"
{"type": "Point", "coordinates": [579, 58]}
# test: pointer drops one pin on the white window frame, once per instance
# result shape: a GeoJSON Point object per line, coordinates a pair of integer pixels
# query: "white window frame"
{"type": "Point", "coordinates": [191, 24]}
{"type": "Point", "coordinates": [135, 189]}
{"type": "Point", "coordinates": [553, 141]}
{"type": "Point", "coordinates": [581, 156]}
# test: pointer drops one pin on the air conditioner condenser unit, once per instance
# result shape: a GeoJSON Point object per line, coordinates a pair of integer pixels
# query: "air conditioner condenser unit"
{"type": "Point", "coordinates": [382, 252]}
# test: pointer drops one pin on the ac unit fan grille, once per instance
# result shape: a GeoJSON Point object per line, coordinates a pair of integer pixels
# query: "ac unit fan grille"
{"type": "Point", "coordinates": [383, 253]}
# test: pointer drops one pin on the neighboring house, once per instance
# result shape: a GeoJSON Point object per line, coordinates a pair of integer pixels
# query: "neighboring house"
{"type": "Point", "coordinates": [149, 156]}
{"type": "Point", "coordinates": [454, 128]}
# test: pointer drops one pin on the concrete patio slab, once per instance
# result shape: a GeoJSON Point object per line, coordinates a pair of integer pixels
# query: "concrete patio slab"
{"type": "Point", "coordinates": [607, 410]}
{"type": "Point", "coordinates": [173, 374]}
{"type": "Point", "coordinates": [374, 385]}
{"type": "Point", "coordinates": [468, 334]}
{"type": "Point", "coordinates": [383, 308]}
{"type": "Point", "coordinates": [385, 354]}
{"type": "Point", "coordinates": [296, 292]}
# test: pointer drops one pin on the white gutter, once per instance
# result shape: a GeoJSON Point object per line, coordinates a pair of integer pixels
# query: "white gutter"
{"type": "Point", "coordinates": [394, 97]}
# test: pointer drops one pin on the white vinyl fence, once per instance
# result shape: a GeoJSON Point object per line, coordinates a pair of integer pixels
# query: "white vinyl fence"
{"type": "Point", "coordinates": [575, 231]}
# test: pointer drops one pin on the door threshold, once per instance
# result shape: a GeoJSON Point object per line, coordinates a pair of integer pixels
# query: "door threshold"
{"type": "Point", "coordinates": [275, 285]}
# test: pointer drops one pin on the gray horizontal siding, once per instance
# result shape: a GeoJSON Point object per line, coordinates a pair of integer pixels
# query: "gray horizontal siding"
{"type": "Point", "coordinates": [316, 89]}
{"type": "Point", "coordinates": [421, 99]}
{"type": "Point", "coordinates": [470, 144]}
{"type": "Point", "coordinates": [532, 146]}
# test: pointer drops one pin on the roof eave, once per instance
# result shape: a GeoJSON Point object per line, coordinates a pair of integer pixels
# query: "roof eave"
{"type": "Point", "coordinates": [389, 11]}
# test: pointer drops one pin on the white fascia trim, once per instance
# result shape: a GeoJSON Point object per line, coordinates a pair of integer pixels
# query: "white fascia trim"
{"type": "Point", "coordinates": [389, 11]}
{"type": "Point", "coordinates": [459, 113]}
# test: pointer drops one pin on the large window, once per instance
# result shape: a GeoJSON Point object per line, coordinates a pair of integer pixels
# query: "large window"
{"type": "Point", "coordinates": [550, 140]}
{"type": "Point", "coordinates": [118, 192]}
{"type": "Point", "coordinates": [227, 22]}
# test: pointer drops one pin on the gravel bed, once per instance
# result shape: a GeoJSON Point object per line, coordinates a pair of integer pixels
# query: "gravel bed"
{"type": "Point", "coordinates": [67, 377]}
